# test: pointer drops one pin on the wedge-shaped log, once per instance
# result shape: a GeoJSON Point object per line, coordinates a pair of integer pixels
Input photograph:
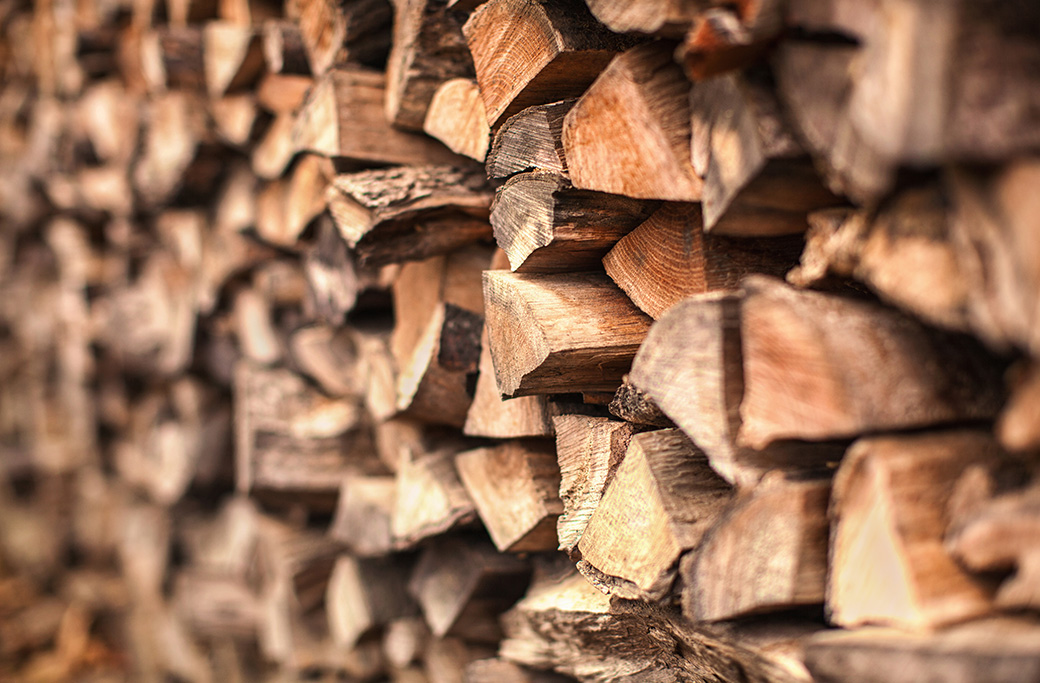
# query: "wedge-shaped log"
{"type": "Point", "coordinates": [669, 257]}
{"type": "Point", "coordinates": [410, 212]}
{"type": "Point", "coordinates": [526, 474]}
{"type": "Point", "coordinates": [1001, 650]}
{"type": "Point", "coordinates": [851, 367]}
{"type": "Point", "coordinates": [663, 499]}
{"type": "Point", "coordinates": [363, 514]}
{"type": "Point", "coordinates": [767, 553]}
{"type": "Point", "coordinates": [329, 357]}
{"type": "Point", "coordinates": [283, 93]}
{"type": "Point", "coordinates": [589, 451]}
{"type": "Point", "coordinates": [668, 18]}
{"type": "Point", "coordinates": [365, 595]}
{"type": "Point", "coordinates": [630, 133]}
{"type": "Point", "coordinates": [427, 49]}
{"type": "Point", "coordinates": [429, 498]}
{"type": "Point", "coordinates": [757, 179]}
{"type": "Point", "coordinates": [233, 57]}
{"type": "Point", "coordinates": [559, 333]}
{"type": "Point", "coordinates": [545, 225]}
{"type": "Point", "coordinates": [287, 206]}
{"type": "Point", "coordinates": [341, 31]}
{"type": "Point", "coordinates": [461, 586]}
{"type": "Point", "coordinates": [457, 118]}
{"type": "Point", "coordinates": [528, 52]}
{"type": "Point", "coordinates": [284, 51]}
{"type": "Point", "coordinates": [343, 117]}
{"type": "Point", "coordinates": [633, 405]}
{"type": "Point", "coordinates": [530, 140]}
{"type": "Point", "coordinates": [888, 564]}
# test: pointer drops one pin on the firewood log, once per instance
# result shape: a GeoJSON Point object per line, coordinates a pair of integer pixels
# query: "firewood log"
{"type": "Point", "coordinates": [235, 118]}
{"type": "Point", "coordinates": [427, 49]}
{"type": "Point", "coordinates": [173, 57]}
{"type": "Point", "coordinates": [363, 514]}
{"type": "Point", "coordinates": [662, 500]}
{"type": "Point", "coordinates": [530, 140]}
{"type": "Point", "coordinates": [456, 117]}
{"type": "Point", "coordinates": [629, 133]}
{"type": "Point", "coordinates": [283, 93]}
{"type": "Point", "coordinates": [527, 474]}
{"type": "Point", "coordinates": [216, 606]}
{"type": "Point", "coordinates": [284, 50]}
{"type": "Point", "coordinates": [233, 57]}
{"type": "Point", "coordinates": [364, 595]}
{"type": "Point", "coordinates": [665, 18]}
{"type": "Point", "coordinates": [885, 569]}
{"type": "Point", "coordinates": [336, 32]}
{"type": "Point", "coordinates": [273, 153]}
{"type": "Point", "coordinates": [429, 498]}
{"type": "Point", "coordinates": [632, 404]}
{"type": "Point", "coordinates": [527, 52]}
{"type": "Point", "coordinates": [285, 208]}
{"type": "Point", "coordinates": [410, 212]}
{"type": "Point", "coordinates": [1017, 428]}
{"type": "Point", "coordinates": [730, 37]}
{"type": "Point", "coordinates": [175, 127]}
{"type": "Point", "coordinates": [560, 351]}
{"type": "Point", "coordinates": [767, 553]}
{"type": "Point", "coordinates": [545, 225]}
{"type": "Point", "coordinates": [589, 451]}
{"type": "Point", "coordinates": [498, 670]}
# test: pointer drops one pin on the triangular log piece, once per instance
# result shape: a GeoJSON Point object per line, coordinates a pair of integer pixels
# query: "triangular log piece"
{"type": "Point", "coordinates": [525, 473]}
{"type": "Point", "coordinates": [529, 52]}
{"type": "Point", "coordinates": [530, 140]}
{"type": "Point", "coordinates": [559, 333]}
{"type": "Point", "coordinates": [545, 225]}
{"type": "Point", "coordinates": [662, 500]}
{"type": "Point", "coordinates": [456, 117]}
{"type": "Point", "coordinates": [429, 498]}
{"type": "Point", "coordinates": [363, 514]}
{"type": "Point", "coordinates": [342, 31]}
{"type": "Point", "coordinates": [365, 595]}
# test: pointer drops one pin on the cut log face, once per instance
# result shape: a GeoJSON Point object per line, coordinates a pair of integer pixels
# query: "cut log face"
{"type": "Point", "coordinates": [589, 451]}
{"type": "Point", "coordinates": [630, 133]}
{"type": "Point", "coordinates": [540, 345]}
{"type": "Point", "coordinates": [429, 498]}
{"type": "Point", "coordinates": [888, 564]}
{"type": "Point", "coordinates": [544, 225]}
{"type": "Point", "coordinates": [1001, 650]}
{"type": "Point", "coordinates": [903, 374]}
{"type": "Point", "coordinates": [233, 57]}
{"type": "Point", "coordinates": [668, 258]}
{"type": "Point", "coordinates": [633, 405]}
{"type": "Point", "coordinates": [283, 93]}
{"type": "Point", "coordinates": [427, 49]}
{"type": "Point", "coordinates": [457, 118]}
{"type": "Point", "coordinates": [669, 18]}
{"type": "Point", "coordinates": [336, 32]}
{"type": "Point", "coordinates": [363, 514]}
{"type": "Point", "coordinates": [458, 579]}
{"type": "Point", "coordinates": [329, 357]}
{"type": "Point", "coordinates": [526, 474]}
{"type": "Point", "coordinates": [663, 498]}
{"type": "Point", "coordinates": [528, 52]}
{"type": "Point", "coordinates": [409, 213]}
{"type": "Point", "coordinates": [284, 51]}
{"type": "Point", "coordinates": [364, 595]}
{"type": "Point", "coordinates": [767, 553]}
{"type": "Point", "coordinates": [531, 140]}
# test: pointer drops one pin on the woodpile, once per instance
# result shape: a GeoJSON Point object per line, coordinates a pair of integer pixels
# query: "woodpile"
{"type": "Point", "coordinates": [437, 341]}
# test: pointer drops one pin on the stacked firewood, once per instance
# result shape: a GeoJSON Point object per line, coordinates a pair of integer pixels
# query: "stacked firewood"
{"type": "Point", "coordinates": [520, 341]}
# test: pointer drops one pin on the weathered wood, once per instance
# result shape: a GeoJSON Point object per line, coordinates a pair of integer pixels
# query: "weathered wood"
{"type": "Point", "coordinates": [889, 513]}
{"type": "Point", "coordinates": [343, 117]}
{"type": "Point", "coordinates": [669, 18]}
{"type": "Point", "coordinates": [530, 140]}
{"type": "Point", "coordinates": [429, 498]}
{"type": "Point", "coordinates": [272, 155]}
{"type": "Point", "coordinates": [287, 206]}
{"type": "Point", "coordinates": [527, 52]}
{"type": "Point", "coordinates": [589, 451]}
{"type": "Point", "coordinates": [337, 32]}
{"type": "Point", "coordinates": [539, 343]}
{"type": "Point", "coordinates": [1001, 650]}
{"type": "Point", "coordinates": [410, 212]}
{"type": "Point", "coordinates": [173, 57]}
{"type": "Point", "coordinates": [427, 49]}
{"type": "Point", "coordinates": [526, 474]}
{"type": "Point", "coordinates": [629, 133]}
{"type": "Point", "coordinates": [233, 57]}
{"type": "Point", "coordinates": [669, 257]}
{"type": "Point", "coordinates": [664, 497]}
{"type": "Point", "coordinates": [363, 513]}
{"type": "Point", "coordinates": [236, 118]}
{"type": "Point", "coordinates": [456, 117]}
{"type": "Point", "coordinates": [905, 375]}
{"type": "Point", "coordinates": [767, 553]}
{"type": "Point", "coordinates": [254, 326]}
{"type": "Point", "coordinates": [284, 51]}
{"type": "Point", "coordinates": [283, 93]}
{"type": "Point", "coordinates": [545, 225]}
{"type": "Point", "coordinates": [365, 595]}
{"type": "Point", "coordinates": [633, 405]}
{"type": "Point", "coordinates": [329, 357]}
{"type": "Point", "coordinates": [461, 585]}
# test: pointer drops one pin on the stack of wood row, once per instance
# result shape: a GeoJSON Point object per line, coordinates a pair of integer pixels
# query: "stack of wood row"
{"type": "Point", "coordinates": [438, 340]}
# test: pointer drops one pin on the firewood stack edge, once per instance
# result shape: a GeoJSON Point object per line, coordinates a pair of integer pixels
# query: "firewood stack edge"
{"type": "Point", "coordinates": [520, 341]}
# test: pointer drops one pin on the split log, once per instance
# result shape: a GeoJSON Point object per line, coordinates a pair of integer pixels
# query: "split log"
{"type": "Point", "coordinates": [337, 285]}
{"type": "Point", "coordinates": [669, 18]}
{"type": "Point", "coordinates": [235, 118]}
{"type": "Point", "coordinates": [363, 514]}
{"type": "Point", "coordinates": [630, 133]}
{"type": "Point", "coordinates": [1018, 428]}
{"type": "Point", "coordinates": [364, 595]}
{"type": "Point", "coordinates": [545, 225]}
{"type": "Point", "coordinates": [286, 207]}
{"type": "Point", "coordinates": [216, 606]}
{"type": "Point", "coordinates": [284, 51]}
{"type": "Point", "coordinates": [283, 93]}
{"type": "Point", "coordinates": [456, 117]}
{"type": "Point", "coordinates": [906, 375]}
{"type": "Point", "coordinates": [730, 37]}
{"type": "Point", "coordinates": [404, 641]}
{"type": "Point", "coordinates": [175, 127]}
{"type": "Point", "coordinates": [767, 553]}
{"type": "Point", "coordinates": [429, 498]}
{"type": "Point", "coordinates": [669, 258]}
{"type": "Point", "coordinates": [173, 58]}
{"type": "Point", "coordinates": [527, 475]}
{"type": "Point", "coordinates": [343, 117]}
{"type": "Point", "coordinates": [427, 49]}
{"type": "Point", "coordinates": [341, 31]}
{"type": "Point", "coordinates": [499, 670]}
{"type": "Point", "coordinates": [527, 52]}
{"type": "Point", "coordinates": [257, 337]}
{"type": "Point", "coordinates": [409, 213]}
{"type": "Point", "coordinates": [233, 57]}
{"type": "Point", "coordinates": [633, 405]}
{"type": "Point", "coordinates": [1001, 650]}
{"type": "Point", "coordinates": [757, 179]}
{"type": "Point", "coordinates": [662, 500]}
{"type": "Point", "coordinates": [560, 351]}
{"type": "Point", "coordinates": [589, 451]}
{"type": "Point", "coordinates": [445, 659]}
{"type": "Point", "coordinates": [272, 155]}
{"type": "Point", "coordinates": [329, 357]}
{"type": "Point", "coordinates": [107, 113]}
{"type": "Point", "coordinates": [462, 585]}
{"type": "Point", "coordinates": [530, 140]}
{"type": "Point", "coordinates": [888, 505]}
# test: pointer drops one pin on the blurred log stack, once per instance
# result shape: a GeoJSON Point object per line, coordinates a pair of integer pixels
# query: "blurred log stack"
{"type": "Point", "coordinates": [434, 341]}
